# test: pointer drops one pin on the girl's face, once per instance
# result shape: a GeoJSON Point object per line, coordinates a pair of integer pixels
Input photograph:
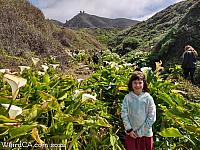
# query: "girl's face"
{"type": "Point", "coordinates": [137, 86]}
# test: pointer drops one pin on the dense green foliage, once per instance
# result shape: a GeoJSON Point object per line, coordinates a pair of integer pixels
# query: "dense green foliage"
{"type": "Point", "coordinates": [55, 109]}
{"type": "Point", "coordinates": [130, 42]}
{"type": "Point", "coordinates": [102, 35]}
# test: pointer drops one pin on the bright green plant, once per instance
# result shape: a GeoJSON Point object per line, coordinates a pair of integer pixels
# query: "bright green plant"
{"type": "Point", "coordinates": [197, 74]}
{"type": "Point", "coordinates": [86, 115]}
{"type": "Point", "coordinates": [130, 42]}
{"type": "Point", "coordinates": [177, 125]}
{"type": "Point", "coordinates": [139, 58]}
{"type": "Point", "coordinates": [53, 114]}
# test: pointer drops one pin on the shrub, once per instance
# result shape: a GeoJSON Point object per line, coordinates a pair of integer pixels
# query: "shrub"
{"type": "Point", "coordinates": [130, 42]}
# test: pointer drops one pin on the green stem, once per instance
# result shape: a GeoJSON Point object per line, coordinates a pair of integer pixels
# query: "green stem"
{"type": "Point", "coordinates": [76, 138]}
{"type": "Point", "coordinates": [7, 112]}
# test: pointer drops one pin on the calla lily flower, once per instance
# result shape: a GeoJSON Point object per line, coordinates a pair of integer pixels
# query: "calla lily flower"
{"type": "Point", "coordinates": [22, 68]}
{"type": "Point", "coordinates": [4, 70]}
{"type": "Point", "coordinates": [108, 63]}
{"type": "Point", "coordinates": [41, 73]}
{"type": "Point", "coordinates": [69, 53]}
{"type": "Point", "coordinates": [15, 83]}
{"type": "Point", "coordinates": [113, 64]}
{"type": "Point", "coordinates": [88, 96]}
{"type": "Point", "coordinates": [80, 79]}
{"type": "Point", "coordinates": [14, 110]}
{"type": "Point", "coordinates": [128, 64]}
{"type": "Point", "coordinates": [45, 67]}
{"type": "Point", "coordinates": [77, 93]}
{"type": "Point", "coordinates": [35, 60]}
{"type": "Point", "coordinates": [120, 66]}
{"type": "Point", "coordinates": [145, 69]}
{"type": "Point", "coordinates": [54, 65]}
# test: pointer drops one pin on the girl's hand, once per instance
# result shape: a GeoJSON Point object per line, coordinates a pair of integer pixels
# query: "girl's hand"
{"type": "Point", "coordinates": [133, 134]}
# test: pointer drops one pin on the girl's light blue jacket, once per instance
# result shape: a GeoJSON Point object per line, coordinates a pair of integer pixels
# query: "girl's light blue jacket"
{"type": "Point", "coordinates": [139, 113]}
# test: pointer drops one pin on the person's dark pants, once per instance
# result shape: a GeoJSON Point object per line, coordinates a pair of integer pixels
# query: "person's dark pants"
{"type": "Point", "coordinates": [140, 143]}
{"type": "Point", "coordinates": [189, 72]}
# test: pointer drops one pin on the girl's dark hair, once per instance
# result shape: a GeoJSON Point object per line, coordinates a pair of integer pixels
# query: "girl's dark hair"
{"type": "Point", "coordinates": [138, 75]}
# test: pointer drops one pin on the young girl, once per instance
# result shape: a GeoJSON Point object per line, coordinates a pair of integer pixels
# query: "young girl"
{"type": "Point", "coordinates": [138, 114]}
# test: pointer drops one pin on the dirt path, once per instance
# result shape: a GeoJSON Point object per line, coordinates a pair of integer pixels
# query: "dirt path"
{"type": "Point", "coordinates": [81, 71]}
{"type": "Point", "coordinates": [192, 92]}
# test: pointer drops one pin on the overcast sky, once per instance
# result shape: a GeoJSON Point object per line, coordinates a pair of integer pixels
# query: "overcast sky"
{"type": "Point", "coordinates": [63, 10]}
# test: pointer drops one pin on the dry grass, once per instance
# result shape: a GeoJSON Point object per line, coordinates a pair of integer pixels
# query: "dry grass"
{"type": "Point", "coordinates": [192, 92]}
{"type": "Point", "coordinates": [25, 33]}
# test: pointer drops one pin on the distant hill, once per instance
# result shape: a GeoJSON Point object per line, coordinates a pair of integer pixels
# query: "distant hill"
{"type": "Point", "coordinates": [25, 33]}
{"type": "Point", "coordinates": [150, 33]}
{"type": "Point", "coordinates": [56, 22]}
{"type": "Point", "coordinates": [84, 20]}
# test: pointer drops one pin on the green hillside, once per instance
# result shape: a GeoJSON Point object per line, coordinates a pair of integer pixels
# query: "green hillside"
{"type": "Point", "coordinates": [186, 32]}
{"type": "Point", "coordinates": [149, 33]}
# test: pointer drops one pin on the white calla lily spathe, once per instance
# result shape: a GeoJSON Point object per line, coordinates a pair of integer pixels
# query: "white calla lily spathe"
{"type": "Point", "coordinates": [86, 96]}
{"type": "Point", "coordinates": [128, 64]}
{"type": "Point", "coordinates": [144, 69]}
{"type": "Point", "coordinates": [22, 68]}
{"type": "Point", "coordinates": [113, 64]}
{"type": "Point", "coordinates": [15, 83]}
{"type": "Point", "coordinates": [77, 93]}
{"type": "Point", "coordinates": [41, 73]}
{"type": "Point", "coordinates": [35, 60]}
{"type": "Point", "coordinates": [4, 70]}
{"type": "Point", "coordinates": [80, 79]}
{"type": "Point", "coordinates": [45, 67]}
{"type": "Point", "coordinates": [54, 65]}
{"type": "Point", "coordinates": [14, 110]}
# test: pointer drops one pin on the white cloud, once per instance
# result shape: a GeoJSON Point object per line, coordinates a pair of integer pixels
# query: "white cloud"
{"type": "Point", "coordinates": [145, 17]}
{"type": "Point", "coordinates": [66, 9]}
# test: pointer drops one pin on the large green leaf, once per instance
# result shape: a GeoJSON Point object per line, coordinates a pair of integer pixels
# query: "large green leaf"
{"type": "Point", "coordinates": [19, 131]}
{"type": "Point", "coordinates": [64, 96]}
{"type": "Point", "coordinates": [69, 129]}
{"type": "Point", "coordinates": [33, 112]}
{"type": "Point", "coordinates": [178, 98]}
{"type": "Point", "coordinates": [46, 78]}
{"type": "Point", "coordinates": [171, 132]}
{"type": "Point", "coordinates": [166, 98]}
{"type": "Point", "coordinates": [4, 100]}
{"type": "Point", "coordinates": [70, 118]}
{"type": "Point", "coordinates": [103, 122]}
{"type": "Point", "coordinates": [5, 119]}
{"type": "Point", "coordinates": [46, 96]}
{"type": "Point", "coordinates": [113, 141]}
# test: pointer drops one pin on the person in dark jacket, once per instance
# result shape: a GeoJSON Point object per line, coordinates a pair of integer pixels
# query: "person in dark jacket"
{"type": "Point", "coordinates": [189, 62]}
